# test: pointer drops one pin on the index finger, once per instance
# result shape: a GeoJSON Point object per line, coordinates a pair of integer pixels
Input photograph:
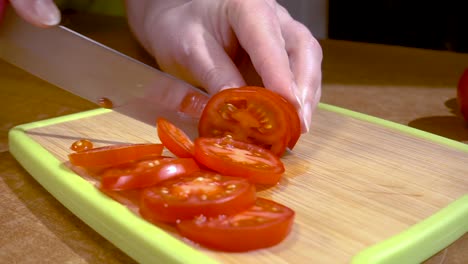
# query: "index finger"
{"type": "Point", "coordinates": [258, 30]}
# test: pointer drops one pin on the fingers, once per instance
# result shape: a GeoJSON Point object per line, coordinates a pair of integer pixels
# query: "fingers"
{"type": "Point", "coordinates": [305, 59]}
{"type": "Point", "coordinates": [209, 65]}
{"type": "Point", "coordinates": [283, 51]}
{"type": "Point", "coordinates": [259, 32]}
{"type": "Point", "coordinates": [41, 13]}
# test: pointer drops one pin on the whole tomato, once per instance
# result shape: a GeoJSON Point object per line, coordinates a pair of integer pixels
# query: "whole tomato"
{"type": "Point", "coordinates": [462, 94]}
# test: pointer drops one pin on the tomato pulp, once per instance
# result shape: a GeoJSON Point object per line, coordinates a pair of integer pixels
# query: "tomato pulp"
{"type": "Point", "coordinates": [263, 225]}
{"type": "Point", "coordinates": [174, 139]}
{"type": "Point", "coordinates": [201, 193]}
{"type": "Point", "coordinates": [109, 156]}
{"type": "Point", "coordinates": [146, 172]}
{"type": "Point", "coordinates": [231, 157]}
{"type": "Point", "coordinates": [253, 115]}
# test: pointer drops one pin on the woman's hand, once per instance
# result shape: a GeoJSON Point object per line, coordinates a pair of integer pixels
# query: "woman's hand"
{"type": "Point", "coordinates": [212, 43]}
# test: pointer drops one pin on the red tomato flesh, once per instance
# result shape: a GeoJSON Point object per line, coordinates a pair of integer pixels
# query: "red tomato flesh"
{"type": "Point", "coordinates": [146, 172]}
{"type": "Point", "coordinates": [201, 193]}
{"type": "Point", "coordinates": [263, 225]}
{"type": "Point", "coordinates": [250, 114]}
{"type": "Point", "coordinates": [236, 158]}
{"type": "Point", "coordinates": [174, 139]}
{"type": "Point", "coordinates": [109, 156]}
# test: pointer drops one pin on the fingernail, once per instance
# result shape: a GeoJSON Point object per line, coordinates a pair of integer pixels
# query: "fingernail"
{"type": "Point", "coordinates": [47, 12]}
{"type": "Point", "coordinates": [306, 114]}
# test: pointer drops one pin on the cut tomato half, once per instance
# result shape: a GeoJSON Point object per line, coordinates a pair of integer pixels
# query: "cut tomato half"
{"type": "Point", "coordinates": [201, 193]}
{"type": "Point", "coordinates": [147, 172]}
{"type": "Point", "coordinates": [265, 224]}
{"type": "Point", "coordinates": [250, 114]}
{"type": "Point", "coordinates": [174, 139]}
{"type": "Point", "coordinates": [235, 158]}
{"type": "Point", "coordinates": [109, 156]}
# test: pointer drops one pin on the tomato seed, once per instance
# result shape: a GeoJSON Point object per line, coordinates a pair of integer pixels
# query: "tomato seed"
{"type": "Point", "coordinates": [81, 145]}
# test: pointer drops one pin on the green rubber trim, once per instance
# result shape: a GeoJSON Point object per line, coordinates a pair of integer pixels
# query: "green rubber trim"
{"type": "Point", "coordinates": [141, 240]}
{"type": "Point", "coordinates": [148, 244]}
{"type": "Point", "coordinates": [426, 238]}
{"type": "Point", "coordinates": [422, 240]}
{"type": "Point", "coordinates": [390, 124]}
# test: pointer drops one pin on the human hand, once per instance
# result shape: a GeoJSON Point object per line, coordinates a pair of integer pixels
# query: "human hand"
{"type": "Point", "coordinates": [41, 13]}
{"type": "Point", "coordinates": [206, 42]}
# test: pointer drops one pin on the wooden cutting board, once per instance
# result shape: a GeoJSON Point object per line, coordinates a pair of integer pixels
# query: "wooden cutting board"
{"type": "Point", "coordinates": [365, 190]}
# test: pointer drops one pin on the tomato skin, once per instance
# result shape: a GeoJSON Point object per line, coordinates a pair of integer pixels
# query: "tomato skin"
{"type": "Point", "coordinates": [174, 139]}
{"type": "Point", "coordinates": [462, 94]}
{"type": "Point", "coordinates": [249, 114]}
{"type": "Point", "coordinates": [258, 227]}
{"type": "Point", "coordinates": [147, 172]}
{"type": "Point", "coordinates": [254, 163]}
{"type": "Point", "coordinates": [109, 156]}
{"type": "Point", "coordinates": [201, 193]}
{"type": "Point", "coordinates": [293, 118]}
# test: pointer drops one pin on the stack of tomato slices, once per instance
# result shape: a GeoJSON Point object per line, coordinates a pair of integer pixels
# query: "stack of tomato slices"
{"type": "Point", "coordinates": [207, 189]}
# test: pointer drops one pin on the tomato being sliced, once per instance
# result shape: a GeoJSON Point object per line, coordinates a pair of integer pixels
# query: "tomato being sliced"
{"type": "Point", "coordinates": [235, 158]}
{"type": "Point", "coordinates": [109, 156]}
{"type": "Point", "coordinates": [263, 225]}
{"type": "Point", "coordinates": [250, 114]}
{"type": "Point", "coordinates": [293, 118]}
{"type": "Point", "coordinates": [174, 139]}
{"type": "Point", "coordinates": [201, 193]}
{"type": "Point", "coordinates": [146, 172]}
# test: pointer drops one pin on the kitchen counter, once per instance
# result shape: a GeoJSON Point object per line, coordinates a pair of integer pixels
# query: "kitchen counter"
{"type": "Point", "coordinates": [410, 86]}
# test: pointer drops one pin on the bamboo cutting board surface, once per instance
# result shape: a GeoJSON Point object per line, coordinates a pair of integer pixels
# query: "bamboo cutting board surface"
{"type": "Point", "coordinates": [354, 181]}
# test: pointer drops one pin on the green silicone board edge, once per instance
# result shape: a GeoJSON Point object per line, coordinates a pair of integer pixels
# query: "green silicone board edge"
{"type": "Point", "coordinates": [104, 215]}
{"type": "Point", "coordinates": [426, 238]}
{"type": "Point", "coordinates": [110, 219]}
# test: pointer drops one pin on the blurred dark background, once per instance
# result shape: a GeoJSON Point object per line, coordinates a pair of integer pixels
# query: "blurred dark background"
{"type": "Point", "coordinates": [439, 25]}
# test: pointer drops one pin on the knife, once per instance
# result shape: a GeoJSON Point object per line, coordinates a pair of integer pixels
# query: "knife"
{"type": "Point", "coordinates": [93, 71]}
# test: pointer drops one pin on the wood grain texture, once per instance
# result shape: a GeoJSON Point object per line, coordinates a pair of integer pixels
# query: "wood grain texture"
{"type": "Point", "coordinates": [410, 86]}
{"type": "Point", "coordinates": [351, 182]}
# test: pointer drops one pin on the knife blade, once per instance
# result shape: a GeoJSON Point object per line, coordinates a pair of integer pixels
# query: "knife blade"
{"type": "Point", "coordinates": [93, 71]}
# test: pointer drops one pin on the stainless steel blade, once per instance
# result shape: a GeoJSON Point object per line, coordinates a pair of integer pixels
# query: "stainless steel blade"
{"type": "Point", "coordinates": [91, 70]}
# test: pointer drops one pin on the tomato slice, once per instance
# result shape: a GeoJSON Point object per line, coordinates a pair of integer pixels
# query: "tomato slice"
{"type": "Point", "coordinates": [295, 125]}
{"type": "Point", "coordinates": [265, 224]}
{"type": "Point", "coordinates": [235, 158]}
{"type": "Point", "coordinates": [174, 139]}
{"type": "Point", "coordinates": [249, 114]}
{"type": "Point", "coordinates": [201, 193]}
{"type": "Point", "coordinates": [109, 156]}
{"type": "Point", "coordinates": [146, 172]}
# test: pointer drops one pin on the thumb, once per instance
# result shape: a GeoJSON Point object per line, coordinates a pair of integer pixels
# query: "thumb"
{"type": "Point", "coordinates": [41, 13]}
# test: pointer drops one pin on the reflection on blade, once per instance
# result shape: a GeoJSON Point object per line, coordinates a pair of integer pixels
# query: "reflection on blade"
{"type": "Point", "coordinates": [93, 71]}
